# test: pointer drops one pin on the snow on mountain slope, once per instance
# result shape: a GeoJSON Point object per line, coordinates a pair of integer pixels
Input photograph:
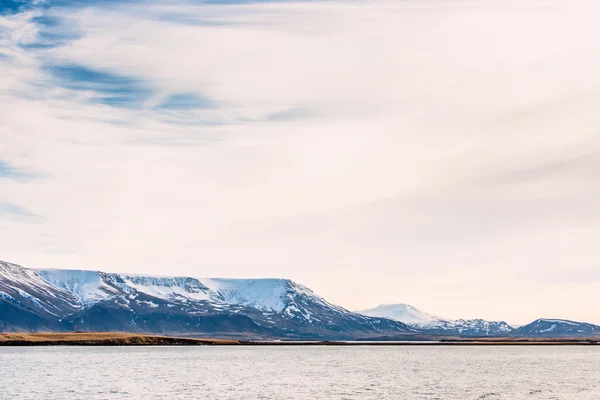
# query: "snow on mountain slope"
{"type": "Point", "coordinates": [273, 295]}
{"type": "Point", "coordinates": [94, 286]}
{"type": "Point", "coordinates": [168, 288]}
{"type": "Point", "coordinates": [277, 295]}
{"type": "Point", "coordinates": [26, 289]}
{"type": "Point", "coordinates": [111, 301]}
{"type": "Point", "coordinates": [403, 313]}
{"type": "Point", "coordinates": [291, 307]}
{"type": "Point", "coordinates": [88, 286]}
{"type": "Point", "coordinates": [262, 294]}
{"type": "Point", "coordinates": [477, 327]}
{"type": "Point", "coordinates": [279, 306]}
{"type": "Point", "coordinates": [74, 299]}
{"type": "Point", "coordinates": [422, 320]}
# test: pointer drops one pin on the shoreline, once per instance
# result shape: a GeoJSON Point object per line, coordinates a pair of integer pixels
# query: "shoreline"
{"type": "Point", "coordinates": [129, 339]}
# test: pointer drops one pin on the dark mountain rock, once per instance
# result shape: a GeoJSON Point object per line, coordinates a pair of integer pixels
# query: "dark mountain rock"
{"type": "Point", "coordinates": [546, 328]}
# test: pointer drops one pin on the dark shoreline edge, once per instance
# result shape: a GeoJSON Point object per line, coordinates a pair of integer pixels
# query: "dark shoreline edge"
{"type": "Point", "coordinates": [124, 339]}
{"type": "Point", "coordinates": [101, 343]}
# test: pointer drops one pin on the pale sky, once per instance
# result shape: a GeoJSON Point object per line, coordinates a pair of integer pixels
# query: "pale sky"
{"type": "Point", "coordinates": [441, 153]}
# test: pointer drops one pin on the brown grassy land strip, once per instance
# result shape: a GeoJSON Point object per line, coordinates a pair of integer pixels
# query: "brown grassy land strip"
{"type": "Point", "coordinates": [101, 339]}
{"type": "Point", "coordinates": [130, 339]}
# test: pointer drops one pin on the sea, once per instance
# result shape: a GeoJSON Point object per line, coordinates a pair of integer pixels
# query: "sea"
{"type": "Point", "coordinates": [301, 372]}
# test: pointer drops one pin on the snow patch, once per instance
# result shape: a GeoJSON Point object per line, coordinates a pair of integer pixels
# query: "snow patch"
{"type": "Point", "coordinates": [262, 294]}
{"type": "Point", "coordinates": [403, 313]}
{"type": "Point", "coordinates": [168, 288]}
{"type": "Point", "coordinates": [89, 286]}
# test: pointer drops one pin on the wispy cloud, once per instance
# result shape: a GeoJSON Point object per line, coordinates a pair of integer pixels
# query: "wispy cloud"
{"type": "Point", "coordinates": [102, 86]}
{"type": "Point", "coordinates": [291, 114]}
{"type": "Point", "coordinates": [9, 171]}
{"type": "Point", "coordinates": [422, 141]}
{"type": "Point", "coordinates": [14, 210]}
{"type": "Point", "coordinates": [185, 101]}
{"type": "Point", "coordinates": [6, 170]}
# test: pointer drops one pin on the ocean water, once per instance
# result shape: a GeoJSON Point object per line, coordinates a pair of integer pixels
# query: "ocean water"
{"type": "Point", "coordinates": [300, 372]}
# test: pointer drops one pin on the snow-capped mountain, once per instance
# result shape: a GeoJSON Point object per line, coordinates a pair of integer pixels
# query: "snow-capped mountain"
{"type": "Point", "coordinates": [437, 325]}
{"type": "Point", "coordinates": [29, 302]}
{"type": "Point", "coordinates": [557, 328]}
{"type": "Point", "coordinates": [99, 301]}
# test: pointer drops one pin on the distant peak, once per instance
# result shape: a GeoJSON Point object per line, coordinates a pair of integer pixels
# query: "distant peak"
{"type": "Point", "coordinates": [402, 312]}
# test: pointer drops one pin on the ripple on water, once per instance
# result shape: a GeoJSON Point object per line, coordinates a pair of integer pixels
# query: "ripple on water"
{"type": "Point", "coordinates": [300, 373]}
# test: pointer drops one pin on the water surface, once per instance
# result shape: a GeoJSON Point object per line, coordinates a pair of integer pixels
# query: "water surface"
{"type": "Point", "coordinates": [295, 373]}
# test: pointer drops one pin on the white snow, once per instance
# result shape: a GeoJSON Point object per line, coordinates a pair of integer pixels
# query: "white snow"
{"type": "Point", "coordinates": [275, 295]}
{"type": "Point", "coordinates": [89, 286]}
{"type": "Point", "coordinates": [291, 310]}
{"type": "Point", "coordinates": [150, 304]}
{"type": "Point", "coordinates": [262, 294]}
{"type": "Point", "coordinates": [93, 286]}
{"type": "Point", "coordinates": [15, 274]}
{"type": "Point", "coordinates": [552, 328]}
{"type": "Point", "coordinates": [168, 288]}
{"type": "Point", "coordinates": [403, 313]}
{"type": "Point", "coordinates": [269, 295]}
{"type": "Point", "coordinates": [560, 321]}
{"type": "Point", "coordinates": [280, 296]}
{"type": "Point", "coordinates": [416, 318]}
{"type": "Point", "coordinates": [26, 283]}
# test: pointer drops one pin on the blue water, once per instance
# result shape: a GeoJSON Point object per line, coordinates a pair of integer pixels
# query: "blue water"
{"type": "Point", "coordinates": [570, 373]}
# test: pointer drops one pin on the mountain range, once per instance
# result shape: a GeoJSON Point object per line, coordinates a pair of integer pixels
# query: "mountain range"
{"type": "Point", "coordinates": [540, 328]}
{"type": "Point", "coordinates": [79, 300]}
{"type": "Point", "coordinates": [57, 300]}
{"type": "Point", "coordinates": [437, 325]}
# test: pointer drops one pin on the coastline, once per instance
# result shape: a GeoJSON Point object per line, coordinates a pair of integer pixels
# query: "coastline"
{"type": "Point", "coordinates": [130, 339]}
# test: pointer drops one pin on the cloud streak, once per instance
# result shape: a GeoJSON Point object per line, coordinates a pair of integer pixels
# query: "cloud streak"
{"type": "Point", "coordinates": [104, 87]}
{"type": "Point", "coordinates": [14, 210]}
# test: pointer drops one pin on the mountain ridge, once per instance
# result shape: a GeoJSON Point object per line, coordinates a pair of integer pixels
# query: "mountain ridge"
{"type": "Point", "coordinates": [100, 301]}
{"type": "Point", "coordinates": [436, 325]}
{"type": "Point", "coordinates": [273, 308]}
{"type": "Point", "coordinates": [553, 327]}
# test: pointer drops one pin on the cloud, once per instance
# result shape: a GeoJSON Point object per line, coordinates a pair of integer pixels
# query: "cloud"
{"type": "Point", "coordinates": [14, 210]}
{"type": "Point", "coordinates": [52, 31]}
{"type": "Point", "coordinates": [580, 166]}
{"type": "Point", "coordinates": [291, 114]}
{"type": "Point", "coordinates": [421, 151]}
{"type": "Point", "coordinates": [104, 87]}
{"type": "Point", "coordinates": [185, 101]}
{"type": "Point", "coordinates": [8, 171]}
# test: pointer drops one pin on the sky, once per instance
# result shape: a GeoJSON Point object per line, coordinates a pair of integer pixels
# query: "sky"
{"type": "Point", "coordinates": [441, 153]}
